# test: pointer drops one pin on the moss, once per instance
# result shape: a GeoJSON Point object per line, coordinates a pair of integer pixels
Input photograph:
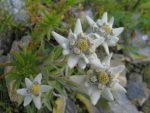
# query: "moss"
{"type": "Point", "coordinates": [146, 73]}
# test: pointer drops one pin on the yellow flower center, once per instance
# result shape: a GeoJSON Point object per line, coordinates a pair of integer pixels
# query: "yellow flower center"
{"type": "Point", "coordinates": [103, 78]}
{"type": "Point", "coordinates": [83, 44]}
{"type": "Point", "coordinates": [35, 89]}
{"type": "Point", "coordinates": [107, 28]}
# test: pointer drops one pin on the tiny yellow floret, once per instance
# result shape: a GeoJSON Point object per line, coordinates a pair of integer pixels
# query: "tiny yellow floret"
{"type": "Point", "coordinates": [35, 89]}
{"type": "Point", "coordinates": [103, 78]}
{"type": "Point", "coordinates": [107, 29]}
{"type": "Point", "coordinates": [83, 44]}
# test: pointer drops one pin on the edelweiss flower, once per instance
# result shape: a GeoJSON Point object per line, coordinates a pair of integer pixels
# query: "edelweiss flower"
{"type": "Point", "coordinates": [79, 46]}
{"type": "Point", "coordinates": [33, 91]}
{"type": "Point", "coordinates": [105, 29]}
{"type": "Point", "coordinates": [100, 82]}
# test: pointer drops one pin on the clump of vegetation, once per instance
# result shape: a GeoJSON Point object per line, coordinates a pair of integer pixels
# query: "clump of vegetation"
{"type": "Point", "coordinates": [146, 73]}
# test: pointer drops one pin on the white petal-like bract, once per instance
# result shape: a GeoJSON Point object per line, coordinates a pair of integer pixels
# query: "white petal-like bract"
{"type": "Point", "coordinates": [105, 45]}
{"type": "Point", "coordinates": [73, 60]}
{"type": "Point", "coordinates": [60, 39]}
{"type": "Point", "coordinates": [104, 17]}
{"type": "Point", "coordinates": [28, 82]}
{"type": "Point", "coordinates": [95, 96]}
{"type": "Point", "coordinates": [90, 21]}
{"type": "Point", "coordinates": [118, 31]}
{"type": "Point", "coordinates": [78, 27]}
{"type": "Point", "coordinates": [106, 93]}
{"type": "Point", "coordinates": [115, 71]}
{"type": "Point", "coordinates": [22, 91]}
{"type": "Point", "coordinates": [38, 78]}
{"type": "Point", "coordinates": [79, 79]}
{"type": "Point", "coordinates": [119, 88]}
{"type": "Point", "coordinates": [27, 100]}
{"type": "Point", "coordinates": [111, 22]}
{"type": "Point", "coordinates": [37, 102]}
{"type": "Point", "coordinates": [82, 64]}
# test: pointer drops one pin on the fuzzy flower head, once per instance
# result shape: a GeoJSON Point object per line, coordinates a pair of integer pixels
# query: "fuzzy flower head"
{"type": "Point", "coordinates": [78, 46]}
{"type": "Point", "coordinates": [105, 29]}
{"type": "Point", "coordinates": [33, 91]}
{"type": "Point", "coordinates": [100, 83]}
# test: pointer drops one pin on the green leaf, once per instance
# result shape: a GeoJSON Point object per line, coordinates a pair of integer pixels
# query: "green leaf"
{"type": "Point", "coordinates": [18, 58]}
{"type": "Point", "coordinates": [86, 102]}
{"type": "Point", "coordinates": [56, 53]}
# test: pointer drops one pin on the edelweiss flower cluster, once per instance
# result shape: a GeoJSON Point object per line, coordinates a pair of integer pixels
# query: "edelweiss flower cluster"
{"type": "Point", "coordinates": [80, 47]}
{"type": "Point", "coordinates": [33, 91]}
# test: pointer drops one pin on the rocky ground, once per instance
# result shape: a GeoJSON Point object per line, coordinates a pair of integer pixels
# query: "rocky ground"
{"type": "Point", "coordinates": [136, 77]}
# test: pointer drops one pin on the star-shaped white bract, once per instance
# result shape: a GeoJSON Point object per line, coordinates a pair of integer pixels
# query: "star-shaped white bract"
{"type": "Point", "coordinates": [98, 64]}
{"type": "Point", "coordinates": [100, 83]}
{"type": "Point", "coordinates": [80, 47]}
{"type": "Point", "coordinates": [33, 91]}
{"type": "Point", "coordinates": [105, 29]}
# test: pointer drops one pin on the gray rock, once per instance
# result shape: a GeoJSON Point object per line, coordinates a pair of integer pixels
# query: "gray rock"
{"type": "Point", "coordinates": [140, 42]}
{"type": "Point", "coordinates": [6, 40]}
{"type": "Point", "coordinates": [122, 104]}
{"type": "Point", "coordinates": [3, 59]}
{"type": "Point", "coordinates": [145, 51]}
{"type": "Point", "coordinates": [70, 107]}
{"type": "Point", "coordinates": [17, 3]}
{"type": "Point", "coordinates": [137, 91]}
{"type": "Point", "coordinates": [23, 43]}
{"type": "Point", "coordinates": [16, 9]}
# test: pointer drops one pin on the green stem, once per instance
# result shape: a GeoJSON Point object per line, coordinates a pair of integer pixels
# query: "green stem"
{"type": "Point", "coordinates": [67, 71]}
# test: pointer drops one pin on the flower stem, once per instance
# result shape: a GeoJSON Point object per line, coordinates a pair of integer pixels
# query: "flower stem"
{"type": "Point", "coordinates": [67, 71]}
